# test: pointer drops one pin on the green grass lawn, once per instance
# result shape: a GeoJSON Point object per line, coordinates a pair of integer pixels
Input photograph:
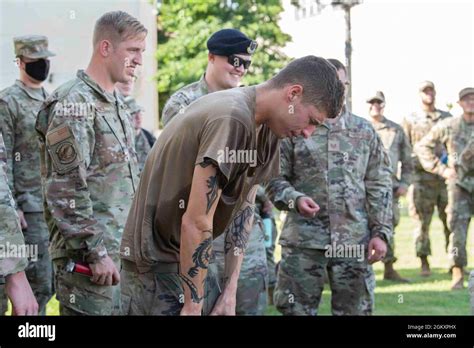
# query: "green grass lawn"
{"type": "Point", "coordinates": [423, 296]}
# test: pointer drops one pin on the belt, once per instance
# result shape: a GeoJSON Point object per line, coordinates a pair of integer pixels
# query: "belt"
{"type": "Point", "coordinates": [159, 267]}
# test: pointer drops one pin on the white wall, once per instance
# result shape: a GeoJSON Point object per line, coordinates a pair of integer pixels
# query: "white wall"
{"type": "Point", "coordinates": [69, 24]}
{"type": "Point", "coordinates": [396, 44]}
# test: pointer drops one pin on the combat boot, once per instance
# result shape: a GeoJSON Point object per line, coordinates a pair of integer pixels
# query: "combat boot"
{"type": "Point", "coordinates": [425, 267]}
{"type": "Point", "coordinates": [458, 278]}
{"type": "Point", "coordinates": [391, 274]}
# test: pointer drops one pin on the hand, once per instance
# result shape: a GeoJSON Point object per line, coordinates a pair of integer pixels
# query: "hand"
{"type": "Point", "coordinates": [307, 207]}
{"type": "Point", "coordinates": [377, 250]}
{"type": "Point", "coordinates": [267, 207]}
{"type": "Point", "coordinates": [225, 304]}
{"type": "Point", "coordinates": [449, 173]}
{"type": "Point", "coordinates": [104, 272]}
{"type": "Point", "coordinates": [191, 309]}
{"type": "Point", "coordinates": [401, 191]}
{"type": "Point", "coordinates": [23, 223]}
{"type": "Point", "coordinates": [19, 292]}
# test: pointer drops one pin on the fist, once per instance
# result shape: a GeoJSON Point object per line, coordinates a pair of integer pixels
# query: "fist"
{"type": "Point", "coordinates": [307, 207]}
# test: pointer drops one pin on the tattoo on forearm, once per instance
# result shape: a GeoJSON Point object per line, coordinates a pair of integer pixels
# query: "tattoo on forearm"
{"type": "Point", "coordinates": [194, 294]}
{"type": "Point", "coordinates": [236, 235]}
{"type": "Point", "coordinates": [201, 257]}
{"type": "Point", "coordinates": [212, 193]}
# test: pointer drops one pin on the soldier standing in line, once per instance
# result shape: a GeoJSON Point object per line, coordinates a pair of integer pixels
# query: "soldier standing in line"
{"type": "Point", "coordinates": [396, 143]}
{"type": "Point", "coordinates": [456, 134]}
{"type": "Point", "coordinates": [19, 106]}
{"type": "Point", "coordinates": [427, 190]}
{"type": "Point", "coordinates": [89, 169]}
{"type": "Point", "coordinates": [343, 167]}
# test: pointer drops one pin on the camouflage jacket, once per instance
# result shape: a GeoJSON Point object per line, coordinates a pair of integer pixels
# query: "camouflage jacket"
{"type": "Point", "coordinates": [345, 169]}
{"type": "Point", "coordinates": [416, 126]}
{"type": "Point", "coordinates": [458, 137]}
{"type": "Point", "coordinates": [183, 98]}
{"type": "Point", "coordinates": [396, 143]}
{"type": "Point", "coordinates": [19, 106]}
{"type": "Point", "coordinates": [10, 230]}
{"type": "Point", "coordinates": [143, 147]}
{"type": "Point", "coordinates": [88, 167]}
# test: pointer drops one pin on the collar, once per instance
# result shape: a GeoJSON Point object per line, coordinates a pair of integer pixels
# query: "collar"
{"type": "Point", "coordinates": [203, 84]}
{"type": "Point", "coordinates": [111, 98]}
{"type": "Point", "coordinates": [29, 91]}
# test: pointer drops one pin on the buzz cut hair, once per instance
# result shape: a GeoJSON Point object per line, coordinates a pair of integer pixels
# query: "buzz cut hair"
{"type": "Point", "coordinates": [318, 77]}
{"type": "Point", "coordinates": [117, 26]}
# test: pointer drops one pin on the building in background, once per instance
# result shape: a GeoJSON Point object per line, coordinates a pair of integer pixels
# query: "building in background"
{"type": "Point", "coordinates": [69, 26]}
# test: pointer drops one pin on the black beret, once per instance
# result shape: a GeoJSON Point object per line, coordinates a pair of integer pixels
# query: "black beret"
{"type": "Point", "coordinates": [230, 41]}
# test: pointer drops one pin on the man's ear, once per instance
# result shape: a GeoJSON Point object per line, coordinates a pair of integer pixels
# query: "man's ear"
{"type": "Point", "coordinates": [105, 48]}
{"type": "Point", "coordinates": [211, 57]}
{"type": "Point", "coordinates": [294, 91]}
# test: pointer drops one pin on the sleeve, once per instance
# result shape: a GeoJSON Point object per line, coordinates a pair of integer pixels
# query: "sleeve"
{"type": "Point", "coordinates": [69, 145]}
{"type": "Point", "coordinates": [425, 149]}
{"type": "Point", "coordinates": [280, 189]}
{"type": "Point", "coordinates": [378, 186]}
{"type": "Point", "coordinates": [405, 159]}
{"type": "Point", "coordinates": [7, 122]}
{"type": "Point", "coordinates": [11, 237]}
{"type": "Point", "coordinates": [220, 142]}
{"type": "Point", "coordinates": [173, 106]}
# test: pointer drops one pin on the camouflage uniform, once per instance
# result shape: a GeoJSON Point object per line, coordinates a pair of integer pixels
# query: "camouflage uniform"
{"type": "Point", "coordinates": [143, 139]}
{"type": "Point", "coordinates": [10, 230]}
{"type": "Point", "coordinates": [399, 150]}
{"type": "Point", "coordinates": [427, 190]}
{"type": "Point", "coordinates": [89, 173]}
{"type": "Point", "coordinates": [458, 137]}
{"type": "Point", "coordinates": [344, 168]}
{"type": "Point", "coordinates": [252, 284]}
{"type": "Point", "coordinates": [19, 106]}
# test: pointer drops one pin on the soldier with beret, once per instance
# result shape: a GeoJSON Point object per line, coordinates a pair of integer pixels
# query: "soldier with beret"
{"type": "Point", "coordinates": [19, 106]}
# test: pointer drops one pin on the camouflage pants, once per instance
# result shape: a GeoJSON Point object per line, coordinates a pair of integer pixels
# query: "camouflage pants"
{"type": "Point", "coordinates": [3, 297]}
{"type": "Point", "coordinates": [390, 256]}
{"type": "Point", "coordinates": [271, 257]}
{"type": "Point", "coordinates": [460, 210]}
{"type": "Point", "coordinates": [77, 295]}
{"type": "Point", "coordinates": [300, 283]}
{"type": "Point", "coordinates": [471, 290]}
{"type": "Point", "coordinates": [159, 293]}
{"type": "Point", "coordinates": [423, 196]}
{"type": "Point", "coordinates": [252, 285]}
{"type": "Point", "coordinates": [39, 272]}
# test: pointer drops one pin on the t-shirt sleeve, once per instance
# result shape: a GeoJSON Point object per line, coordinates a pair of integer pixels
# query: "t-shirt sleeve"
{"type": "Point", "coordinates": [220, 141]}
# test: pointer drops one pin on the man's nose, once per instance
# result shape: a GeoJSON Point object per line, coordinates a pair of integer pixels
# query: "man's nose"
{"type": "Point", "coordinates": [138, 59]}
{"type": "Point", "coordinates": [240, 69]}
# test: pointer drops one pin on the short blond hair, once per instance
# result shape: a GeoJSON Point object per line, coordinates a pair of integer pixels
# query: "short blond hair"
{"type": "Point", "coordinates": [117, 26]}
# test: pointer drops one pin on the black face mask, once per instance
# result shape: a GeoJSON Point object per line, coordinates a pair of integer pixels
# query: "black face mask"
{"type": "Point", "coordinates": [38, 70]}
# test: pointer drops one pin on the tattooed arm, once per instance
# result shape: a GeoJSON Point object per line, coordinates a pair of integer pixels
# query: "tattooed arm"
{"type": "Point", "coordinates": [236, 238]}
{"type": "Point", "coordinates": [196, 236]}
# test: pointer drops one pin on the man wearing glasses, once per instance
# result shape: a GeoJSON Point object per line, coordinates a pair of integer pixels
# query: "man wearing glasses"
{"type": "Point", "coordinates": [229, 60]}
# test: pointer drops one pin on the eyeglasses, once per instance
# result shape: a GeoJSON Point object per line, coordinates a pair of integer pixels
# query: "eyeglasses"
{"type": "Point", "coordinates": [236, 61]}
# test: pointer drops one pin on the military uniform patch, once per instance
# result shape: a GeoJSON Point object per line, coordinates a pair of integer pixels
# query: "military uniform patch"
{"type": "Point", "coordinates": [62, 147]}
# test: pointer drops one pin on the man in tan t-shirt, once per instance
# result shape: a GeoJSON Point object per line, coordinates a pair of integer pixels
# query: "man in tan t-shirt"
{"type": "Point", "coordinates": [199, 181]}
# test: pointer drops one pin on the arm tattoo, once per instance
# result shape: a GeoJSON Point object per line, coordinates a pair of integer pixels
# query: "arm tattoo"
{"type": "Point", "coordinates": [212, 193]}
{"type": "Point", "coordinates": [236, 235]}
{"type": "Point", "coordinates": [201, 257]}
{"type": "Point", "coordinates": [194, 294]}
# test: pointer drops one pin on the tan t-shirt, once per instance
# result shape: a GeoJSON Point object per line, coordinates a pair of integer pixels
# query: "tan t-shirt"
{"type": "Point", "coordinates": [219, 126]}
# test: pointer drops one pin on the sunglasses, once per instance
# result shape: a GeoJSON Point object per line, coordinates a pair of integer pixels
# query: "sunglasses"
{"type": "Point", "coordinates": [237, 61]}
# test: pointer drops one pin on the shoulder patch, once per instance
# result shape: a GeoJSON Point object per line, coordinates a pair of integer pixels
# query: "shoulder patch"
{"type": "Point", "coordinates": [63, 149]}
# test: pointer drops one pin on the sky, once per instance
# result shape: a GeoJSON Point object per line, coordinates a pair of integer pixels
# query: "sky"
{"type": "Point", "coordinates": [396, 45]}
